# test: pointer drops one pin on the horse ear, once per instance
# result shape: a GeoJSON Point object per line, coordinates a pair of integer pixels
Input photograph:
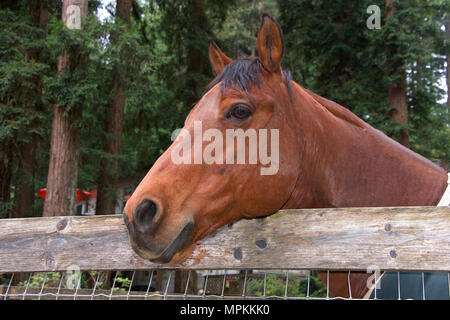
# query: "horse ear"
{"type": "Point", "coordinates": [270, 43]}
{"type": "Point", "coordinates": [218, 59]}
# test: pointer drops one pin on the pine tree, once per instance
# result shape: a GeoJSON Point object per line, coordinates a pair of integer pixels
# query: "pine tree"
{"type": "Point", "coordinates": [22, 112]}
{"type": "Point", "coordinates": [109, 169]}
{"type": "Point", "coordinates": [63, 167]}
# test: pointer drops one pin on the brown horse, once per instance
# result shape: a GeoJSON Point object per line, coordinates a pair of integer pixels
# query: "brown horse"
{"type": "Point", "coordinates": [328, 157]}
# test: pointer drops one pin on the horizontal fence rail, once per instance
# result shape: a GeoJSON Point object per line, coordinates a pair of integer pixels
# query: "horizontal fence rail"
{"type": "Point", "coordinates": [393, 238]}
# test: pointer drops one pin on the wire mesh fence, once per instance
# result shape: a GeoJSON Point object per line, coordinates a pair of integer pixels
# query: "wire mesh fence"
{"type": "Point", "coordinates": [202, 284]}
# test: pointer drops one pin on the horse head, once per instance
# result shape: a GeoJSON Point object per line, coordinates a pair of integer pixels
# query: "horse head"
{"type": "Point", "coordinates": [236, 156]}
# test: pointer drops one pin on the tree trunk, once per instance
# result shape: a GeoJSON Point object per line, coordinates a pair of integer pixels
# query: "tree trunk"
{"type": "Point", "coordinates": [24, 195]}
{"type": "Point", "coordinates": [5, 179]}
{"type": "Point", "coordinates": [397, 91]}
{"type": "Point", "coordinates": [109, 169]}
{"type": "Point", "coordinates": [196, 57]}
{"type": "Point", "coordinates": [25, 189]}
{"type": "Point", "coordinates": [397, 101]}
{"type": "Point", "coordinates": [63, 167]}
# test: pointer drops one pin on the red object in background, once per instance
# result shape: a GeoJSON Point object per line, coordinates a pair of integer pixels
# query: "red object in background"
{"type": "Point", "coordinates": [42, 192]}
{"type": "Point", "coordinates": [81, 194]}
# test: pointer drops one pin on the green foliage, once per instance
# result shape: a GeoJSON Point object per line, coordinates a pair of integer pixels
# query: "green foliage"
{"type": "Point", "coordinates": [122, 284]}
{"type": "Point", "coordinates": [317, 289]}
{"type": "Point", "coordinates": [20, 96]}
{"type": "Point", "coordinates": [74, 280]}
{"type": "Point", "coordinates": [296, 287]}
{"type": "Point", "coordinates": [163, 91]}
{"type": "Point", "coordinates": [150, 104]}
{"type": "Point", "coordinates": [330, 50]}
{"type": "Point", "coordinates": [23, 114]}
{"type": "Point", "coordinates": [48, 279]}
{"type": "Point", "coordinates": [237, 35]}
{"type": "Point", "coordinates": [5, 207]}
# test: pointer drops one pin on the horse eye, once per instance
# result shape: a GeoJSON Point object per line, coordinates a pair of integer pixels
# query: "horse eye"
{"type": "Point", "coordinates": [239, 112]}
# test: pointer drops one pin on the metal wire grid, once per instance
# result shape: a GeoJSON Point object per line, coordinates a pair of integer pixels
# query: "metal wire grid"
{"type": "Point", "coordinates": [209, 284]}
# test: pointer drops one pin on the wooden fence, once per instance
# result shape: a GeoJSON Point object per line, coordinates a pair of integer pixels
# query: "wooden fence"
{"type": "Point", "coordinates": [393, 239]}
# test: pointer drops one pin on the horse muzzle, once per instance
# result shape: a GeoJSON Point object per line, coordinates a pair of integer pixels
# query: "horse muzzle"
{"type": "Point", "coordinates": [142, 234]}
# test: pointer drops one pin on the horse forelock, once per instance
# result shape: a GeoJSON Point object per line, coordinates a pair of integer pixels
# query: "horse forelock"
{"type": "Point", "coordinates": [242, 74]}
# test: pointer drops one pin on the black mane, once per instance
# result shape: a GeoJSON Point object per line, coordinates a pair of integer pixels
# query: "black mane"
{"type": "Point", "coordinates": [241, 74]}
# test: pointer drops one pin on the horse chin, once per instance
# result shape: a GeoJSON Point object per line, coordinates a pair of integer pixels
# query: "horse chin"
{"type": "Point", "coordinates": [175, 259]}
{"type": "Point", "coordinates": [175, 253]}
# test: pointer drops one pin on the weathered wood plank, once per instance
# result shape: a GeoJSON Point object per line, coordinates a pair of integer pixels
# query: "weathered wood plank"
{"type": "Point", "coordinates": [400, 238]}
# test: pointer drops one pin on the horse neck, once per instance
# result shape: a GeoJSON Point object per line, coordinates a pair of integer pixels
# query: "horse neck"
{"type": "Point", "coordinates": [344, 162]}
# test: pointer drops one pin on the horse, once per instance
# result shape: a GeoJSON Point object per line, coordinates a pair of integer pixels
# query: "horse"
{"type": "Point", "coordinates": [327, 158]}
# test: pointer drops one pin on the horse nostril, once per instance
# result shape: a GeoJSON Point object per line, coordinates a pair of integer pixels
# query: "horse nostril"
{"type": "Point", "coordinates": [144, 214]}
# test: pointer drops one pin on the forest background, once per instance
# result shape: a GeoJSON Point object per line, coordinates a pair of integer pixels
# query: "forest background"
{"type": "Point", "coordinates": [93, 108]}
